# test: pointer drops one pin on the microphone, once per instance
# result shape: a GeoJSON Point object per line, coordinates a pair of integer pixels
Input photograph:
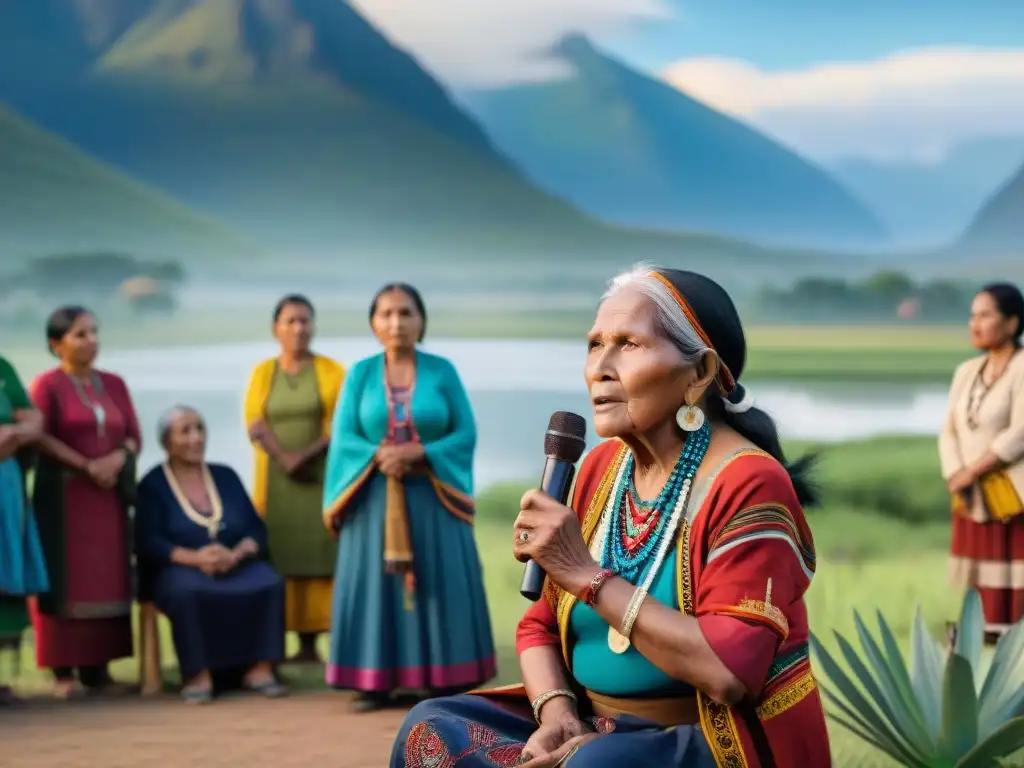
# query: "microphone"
{"type": "Point", "coordinates": [564, 443]}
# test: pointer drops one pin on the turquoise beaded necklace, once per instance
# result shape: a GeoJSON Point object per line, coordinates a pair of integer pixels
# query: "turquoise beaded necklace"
{"type": "Point", "coordinates": [618, 556]}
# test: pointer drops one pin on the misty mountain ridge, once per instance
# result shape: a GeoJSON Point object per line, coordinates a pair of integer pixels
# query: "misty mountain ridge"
{"type": "Point", "coordinates": [998, 227]}
{"type": "Point", "coordinates": [932, 204]}
{"type": "Point", "coordinates": [250, 112]}
{"type": "Point", "coordinates": [631, 149]}
{"type": "Point", "coordinates": [294, 121]}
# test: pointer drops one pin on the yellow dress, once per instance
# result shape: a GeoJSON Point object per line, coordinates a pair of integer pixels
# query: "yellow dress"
{"type": "Point", "coordinates": [298, 409]}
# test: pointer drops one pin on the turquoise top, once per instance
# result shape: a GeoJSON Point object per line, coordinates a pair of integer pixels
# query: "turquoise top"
{"type": "Point", "coordinates": [441, 414]}
{"type": "Point", "coordinates": [629, 674]}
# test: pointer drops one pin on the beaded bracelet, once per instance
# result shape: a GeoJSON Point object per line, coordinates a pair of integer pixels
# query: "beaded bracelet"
{"type": "Point", "coordinates": [632, 611]}
{"type": "Point", "coordinates": [589, 595]}
{"type": "Point", "coordinates": [544, 698]}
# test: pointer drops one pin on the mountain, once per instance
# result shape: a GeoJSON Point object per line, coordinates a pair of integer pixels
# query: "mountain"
{"type": "Point", "coordinates": [998, 228]}
{"type": "Point", "coordinates": [931, 204]}
{"type": "Point", "coordinates": [287, 42]}
{"type": "Point", "coordinates": [631, 149]}
{"type": "Point", "coordinates": [57, 38]}
{"type": "Point", "coordinates": [260, 114]}
{"type": "Point", "coordinates": [58, 200]}
{"type": "Point", "coordinates": [294, 121]}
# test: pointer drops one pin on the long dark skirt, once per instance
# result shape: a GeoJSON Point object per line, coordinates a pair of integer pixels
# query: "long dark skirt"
{"type": "Point", "coordinates": [475, 732]}
{"type": "Point", "coordinates": [223, 622]}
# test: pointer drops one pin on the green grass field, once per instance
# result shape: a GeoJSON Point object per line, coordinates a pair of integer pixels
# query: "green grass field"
{"type": "Point", "coordinates": [870, 353]}
{"type": "Point", "coordinates": [867, 561]}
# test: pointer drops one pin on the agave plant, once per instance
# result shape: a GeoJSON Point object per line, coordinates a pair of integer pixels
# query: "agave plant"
{"type": "Point", "coordinates": [945, 711]}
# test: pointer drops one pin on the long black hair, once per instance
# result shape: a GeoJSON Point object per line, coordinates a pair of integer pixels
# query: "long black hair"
{"type": "Point", "coordinates": [717, 316]}
{"type": "Point", "coordinates": [1010, 303]}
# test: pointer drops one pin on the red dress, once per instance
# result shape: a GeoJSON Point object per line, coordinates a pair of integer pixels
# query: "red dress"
{"type": "Point", "coordinates": [85, 620]}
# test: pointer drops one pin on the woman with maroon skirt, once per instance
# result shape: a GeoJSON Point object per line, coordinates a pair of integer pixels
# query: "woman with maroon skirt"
{"type": "Point", "coordinates": [982, 451]}
{"type": "Point", "coordinates": [84, 485]}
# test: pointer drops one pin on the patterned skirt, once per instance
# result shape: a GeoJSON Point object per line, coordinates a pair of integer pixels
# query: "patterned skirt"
{"type": "Point", "coordinates": [475, 732]}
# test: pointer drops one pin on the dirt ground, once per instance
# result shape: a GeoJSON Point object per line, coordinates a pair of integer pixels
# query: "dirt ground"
{"type": "Point", "coordinates": [312, 729]}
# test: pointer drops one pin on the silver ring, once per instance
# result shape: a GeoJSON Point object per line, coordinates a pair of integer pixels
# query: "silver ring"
{"type": "Point", "coordinates": [524, 536]}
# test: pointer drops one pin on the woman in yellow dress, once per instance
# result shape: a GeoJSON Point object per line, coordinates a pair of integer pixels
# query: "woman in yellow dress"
{"type": "Point", "coordinates": [289, 407]}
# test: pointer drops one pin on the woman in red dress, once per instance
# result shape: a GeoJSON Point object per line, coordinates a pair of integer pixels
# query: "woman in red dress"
{"type": "Point", "coordinates": [83, 488]}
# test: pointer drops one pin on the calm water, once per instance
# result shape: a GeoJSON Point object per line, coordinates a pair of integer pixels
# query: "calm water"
{"type": "Point", "coordinates": [514, 387]}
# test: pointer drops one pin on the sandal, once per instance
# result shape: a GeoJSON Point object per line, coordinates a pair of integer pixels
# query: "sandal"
{"type": "Point", "coordinates": [270, 688]}
{"type": "Point", "coordinates": [66, 690]}
{"type": "Point", "coordinates": [369, 702]}
{"type": "Point", "coordinates": [200, 694]}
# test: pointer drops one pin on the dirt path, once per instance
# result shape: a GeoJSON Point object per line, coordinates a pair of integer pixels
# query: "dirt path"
{"type": "Point", "coordinates": [303, 730]}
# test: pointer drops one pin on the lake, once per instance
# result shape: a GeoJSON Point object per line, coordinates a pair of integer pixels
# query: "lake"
{"type": "Point", "coordinates": [514, 387]}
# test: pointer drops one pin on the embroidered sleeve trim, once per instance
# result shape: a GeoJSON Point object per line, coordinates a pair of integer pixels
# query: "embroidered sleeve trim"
{"type": "Point", "coordinates": [764, 522]}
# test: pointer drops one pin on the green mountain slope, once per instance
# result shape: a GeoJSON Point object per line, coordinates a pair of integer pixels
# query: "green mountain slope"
{"type": "Point", "coordinates": [56, 199]}
{"type": "Point", "coordinates": [631, 149]}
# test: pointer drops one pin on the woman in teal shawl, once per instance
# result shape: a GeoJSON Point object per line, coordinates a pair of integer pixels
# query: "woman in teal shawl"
{"type": "Point", "coordinates": [409, 610]}
{"type": "Point", "coordinates": [22, 570]}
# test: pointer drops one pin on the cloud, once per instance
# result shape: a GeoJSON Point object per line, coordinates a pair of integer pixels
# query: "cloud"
{"type": "Point", "coordinates": [916, 104]}
{"type": "Point", "coordinates": [479, 43]}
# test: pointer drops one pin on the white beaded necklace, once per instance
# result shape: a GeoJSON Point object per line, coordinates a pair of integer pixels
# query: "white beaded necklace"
{"type": "Point", "coordinates": [617, 643]}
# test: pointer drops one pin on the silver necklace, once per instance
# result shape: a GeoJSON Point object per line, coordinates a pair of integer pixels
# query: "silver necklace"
{"type": "Point", "coordinates": [93, 405]}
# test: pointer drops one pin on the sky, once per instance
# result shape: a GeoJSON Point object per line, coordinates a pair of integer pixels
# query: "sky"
{"type": "Point", "coordinates": [894, 81]}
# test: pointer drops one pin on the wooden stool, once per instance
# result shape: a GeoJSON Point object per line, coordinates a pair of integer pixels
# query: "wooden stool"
{"type": "Point", "coordinates": [151, 679]}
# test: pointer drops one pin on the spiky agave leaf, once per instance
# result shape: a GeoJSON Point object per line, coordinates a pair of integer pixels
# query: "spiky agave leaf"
{"type": "Point", "coordinates": [926, 674]}
{"type": "Point", "coordinates": [893, 711]}
{"type": "Point", "coordinates": [862, 719]}
{"type": "Point", "coordinates": [1002, 693]}
{"type": "Point", "coordinates": [970, 635]}
{"type": "Point", "coordinates": [1004, 741]}
{"type": "Point", "coordinates": [959, 709]}
{"type": "Point", "coordinates": [903, 709]}
{"type": "Point", "coordinates": [899, 667]}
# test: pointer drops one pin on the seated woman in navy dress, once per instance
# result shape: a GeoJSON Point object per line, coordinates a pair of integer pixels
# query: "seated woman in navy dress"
{"type": "Point", "coordinates": [202, 559]}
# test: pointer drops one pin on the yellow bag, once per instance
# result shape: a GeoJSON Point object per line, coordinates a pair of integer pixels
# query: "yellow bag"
{"type": "Point", "coordinates": [1000, 497]}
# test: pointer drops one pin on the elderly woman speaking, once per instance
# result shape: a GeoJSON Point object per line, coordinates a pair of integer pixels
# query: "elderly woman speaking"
{"type": "Point", "coordinates": [202, 555]}
{"type": "Point", "coordinates": [674, 630]}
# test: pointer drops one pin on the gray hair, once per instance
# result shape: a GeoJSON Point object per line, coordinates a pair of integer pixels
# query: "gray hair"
{"type": "Point", "coordinates": [166, 421]}
{"type": "Point", "coordinates": [669, 317]}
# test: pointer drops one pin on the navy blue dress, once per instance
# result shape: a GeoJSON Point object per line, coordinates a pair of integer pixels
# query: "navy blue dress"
{"type": "Point", "coordinates": [225, 622]}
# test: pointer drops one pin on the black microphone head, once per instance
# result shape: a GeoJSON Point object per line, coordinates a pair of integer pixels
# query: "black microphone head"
{"type": "Point", "coordinates": [566, 438]}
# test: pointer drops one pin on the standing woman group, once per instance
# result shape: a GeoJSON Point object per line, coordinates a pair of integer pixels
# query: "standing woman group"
{"type": "Point", "coordinates": [389, 471]}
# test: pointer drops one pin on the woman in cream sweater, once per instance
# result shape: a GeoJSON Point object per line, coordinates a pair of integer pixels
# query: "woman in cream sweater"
{"type": "Point", "coordinates": [982, 453]}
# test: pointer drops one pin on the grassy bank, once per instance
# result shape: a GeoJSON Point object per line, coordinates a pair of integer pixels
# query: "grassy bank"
{"type": "Point", "coordinates": [881, 534]}
{"type": "Point", "coordinates": [899, 354]}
